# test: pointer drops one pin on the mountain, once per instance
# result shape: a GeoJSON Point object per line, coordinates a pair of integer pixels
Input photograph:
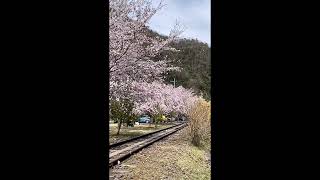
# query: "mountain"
{"type": "Point", "coordinates": [195, 60]}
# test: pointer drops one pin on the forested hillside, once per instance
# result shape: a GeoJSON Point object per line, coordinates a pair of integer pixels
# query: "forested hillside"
{"type": "Point", "coordinates": [195, 60]}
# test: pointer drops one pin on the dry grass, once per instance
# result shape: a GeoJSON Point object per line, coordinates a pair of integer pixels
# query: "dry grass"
{"type": "Point", "coordinates": [173, 158]}
{"type": "Point", "coordinates": [199, 125]}
{"type": "Point", "coordinates": [130, 132]}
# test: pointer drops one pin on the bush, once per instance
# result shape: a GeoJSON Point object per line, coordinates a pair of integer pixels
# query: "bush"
{"type": "Point", "coordinates": [199, 123]}
{"type": "Point", "coordinates": [121, 112]}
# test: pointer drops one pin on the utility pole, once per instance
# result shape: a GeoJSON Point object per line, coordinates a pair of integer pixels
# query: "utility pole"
{"type": "Point", "coordinates": [174, 82]}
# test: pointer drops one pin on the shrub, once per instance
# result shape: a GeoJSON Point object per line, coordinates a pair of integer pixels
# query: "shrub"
{"type": "Point", "coordinates": [199, 123]}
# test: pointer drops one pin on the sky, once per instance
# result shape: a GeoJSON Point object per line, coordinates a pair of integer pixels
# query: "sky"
{"type": "Point", "coordinates": [194, 15]}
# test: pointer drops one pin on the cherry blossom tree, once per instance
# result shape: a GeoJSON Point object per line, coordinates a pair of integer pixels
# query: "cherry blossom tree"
{"type": "Point", "coordinates": [157, 98]}
{"type": "Point", "coordinates": [131, 49]}
{"type": "Point", "coordinates": [136, 76]}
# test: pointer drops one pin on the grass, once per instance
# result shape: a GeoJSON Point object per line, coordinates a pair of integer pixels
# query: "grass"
{"type": "Point", "coordinates": [173, 158]}
{"type": "Point", "coordinates": [130, 132]}
{"type": "Point", "coordinates": [191, 162]}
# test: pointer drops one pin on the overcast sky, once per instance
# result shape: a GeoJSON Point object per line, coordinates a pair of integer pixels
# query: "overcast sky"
{"type": "Point", "coordinates": [192, 14]}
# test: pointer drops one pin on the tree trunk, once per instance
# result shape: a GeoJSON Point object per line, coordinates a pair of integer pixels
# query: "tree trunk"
{"type": "Point", "coordinates": [156, 123]}
{"type": "Point", "coordinates": [119, 126]}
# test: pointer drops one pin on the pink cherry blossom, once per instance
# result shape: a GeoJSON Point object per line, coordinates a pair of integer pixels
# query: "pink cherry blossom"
{"type": "Point", "coordinates": [133, 72]}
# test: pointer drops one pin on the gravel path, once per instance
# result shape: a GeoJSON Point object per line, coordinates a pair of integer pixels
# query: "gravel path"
{"type": "Point", "coordinates": [167, 159]}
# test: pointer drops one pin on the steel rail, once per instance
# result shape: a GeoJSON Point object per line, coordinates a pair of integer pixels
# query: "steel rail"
{"type": "Point", "coordinates": [123, 156]}
{"type": "Point", "coordinates": [141, 136]}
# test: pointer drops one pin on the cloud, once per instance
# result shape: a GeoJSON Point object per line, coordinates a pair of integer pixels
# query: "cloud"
{"type": "Point", "coordinates": [193, 14]}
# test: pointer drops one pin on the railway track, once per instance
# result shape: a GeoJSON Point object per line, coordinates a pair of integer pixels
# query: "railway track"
{"type": "Point", "coordinates": [124, 149]}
